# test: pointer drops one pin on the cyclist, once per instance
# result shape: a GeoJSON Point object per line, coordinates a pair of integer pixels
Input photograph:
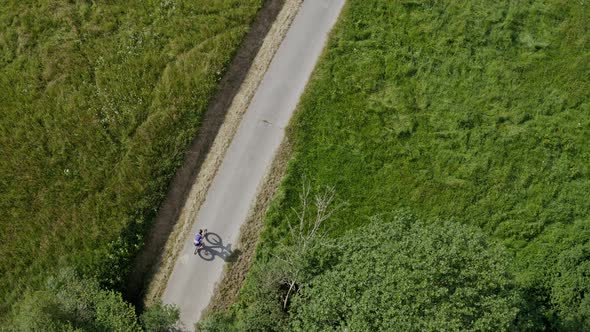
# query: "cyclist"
{"type": "Point", "coordinates": [199, 237]}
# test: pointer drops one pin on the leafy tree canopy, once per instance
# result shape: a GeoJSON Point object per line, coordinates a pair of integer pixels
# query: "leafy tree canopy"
{"type": "Point", "coordinates": [408, 276]}
{"type": "Point", "coordinates": [71, 303]}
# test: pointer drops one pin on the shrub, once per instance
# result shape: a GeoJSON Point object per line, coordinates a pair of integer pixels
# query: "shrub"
{"type": "Point", "coordinates": [159, 317]}
{"type": "Point", "coordinates": [406, 275]}
{"type": "Point", "coordinates": [71, 303]}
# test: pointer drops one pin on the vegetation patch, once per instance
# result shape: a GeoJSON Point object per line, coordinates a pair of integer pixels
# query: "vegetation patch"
{"type": "Point", "coordinates": [69, 302]}
{"type": "Point", "coordinates": [409, 276]}
{"type": "Point", "coordinates": [475, 112]}
{"type": "Point", "coordinates": [396, 274]}
{"type": "Point", "coordinates": [98, 103]}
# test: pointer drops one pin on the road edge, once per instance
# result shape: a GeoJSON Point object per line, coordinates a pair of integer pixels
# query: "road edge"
{"type": "Point", "coordinates": [204, 178]}
{"type": "Point", "coordinates": [235, 271]}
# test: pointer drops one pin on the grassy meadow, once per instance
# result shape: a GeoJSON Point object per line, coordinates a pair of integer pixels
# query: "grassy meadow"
{"type": "Point", "coordinates": [477, 112]}
{"type": "Point", "coordinates": [98, 101]}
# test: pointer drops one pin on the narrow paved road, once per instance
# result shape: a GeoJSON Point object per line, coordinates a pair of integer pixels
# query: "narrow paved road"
{"type": "Point", "coordinates": [250, 154]}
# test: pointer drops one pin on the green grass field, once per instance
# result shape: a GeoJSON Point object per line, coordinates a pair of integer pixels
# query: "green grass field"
{"type": "Point", "coordinates": [98, 101]}
{"type": "Point", "coordinates": [476, 112]}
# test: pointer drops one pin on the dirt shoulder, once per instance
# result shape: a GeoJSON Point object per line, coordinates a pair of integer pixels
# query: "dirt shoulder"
{"type": "Point", "coordinates": [153, 266]}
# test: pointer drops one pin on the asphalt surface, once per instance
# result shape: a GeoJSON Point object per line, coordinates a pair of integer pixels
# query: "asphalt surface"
{"type": "Point", "coordinates": [247, 160]}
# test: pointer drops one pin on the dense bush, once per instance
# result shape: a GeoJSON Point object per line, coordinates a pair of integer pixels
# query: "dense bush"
{"type": "Point", "coordinates": [400, 275]}
{"type": "Point", "coordinates": [98, 101]}
{"type": "Point", "coordinates": [262, 311]}
{"type": "Point", "coordinates": [159, 317]}
{"type": "Point", "coordinates": [70, 303]}
{"type": "Point", "coordinates": [410, 276]}
{"type": "Point", "coordinates": [566, 283]}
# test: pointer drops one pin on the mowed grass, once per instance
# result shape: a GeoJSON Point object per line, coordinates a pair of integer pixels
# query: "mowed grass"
{"type": "Point", "coordinates": [471, 111]}
{"type": "Point", "coordinates": [98, 101]}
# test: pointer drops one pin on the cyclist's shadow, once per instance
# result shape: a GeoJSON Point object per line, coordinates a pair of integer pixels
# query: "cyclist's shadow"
{"type": "Point", "coordinates": [213, 246]}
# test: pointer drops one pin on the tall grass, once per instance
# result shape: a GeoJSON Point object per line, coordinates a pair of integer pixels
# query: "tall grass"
{"type": "Point", "coordinates": [473, 111]}
{"type": "Point", "coordinates": [98, 101]}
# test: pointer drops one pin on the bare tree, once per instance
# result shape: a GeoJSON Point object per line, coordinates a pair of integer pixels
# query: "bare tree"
{"type": "Point", "coordinates": [305, 234]}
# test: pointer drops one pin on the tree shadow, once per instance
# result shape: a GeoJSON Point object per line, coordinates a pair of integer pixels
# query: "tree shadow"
{"type": "Point", "coordinates": [214, 247]}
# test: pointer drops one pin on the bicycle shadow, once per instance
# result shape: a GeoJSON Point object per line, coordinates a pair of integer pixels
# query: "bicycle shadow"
{"type": "Point", "coordinates": [214, 247]}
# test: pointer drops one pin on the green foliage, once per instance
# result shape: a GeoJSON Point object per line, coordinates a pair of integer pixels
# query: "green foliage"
{"type": "Point", "coordinates": [409, 276]}
{"type": "Point", "coordinates": [159, 317]}
{"type": "Point", "coordinates": [98, 101]}
{"type": "Point", "coordinates": [571, 287]}
{"type": "Point", "coordinates": [476, 112]}
{"type": "Point", "coordinates": [261, 308]}
{"type": "Point", "coordinates": [399, 275]}
{"type": "Point", "coordinates": [70, 303]}
{"type": "Point", "coordinates": [217, 322]}
{"type": "Point", "coordinates": [566, 282]}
